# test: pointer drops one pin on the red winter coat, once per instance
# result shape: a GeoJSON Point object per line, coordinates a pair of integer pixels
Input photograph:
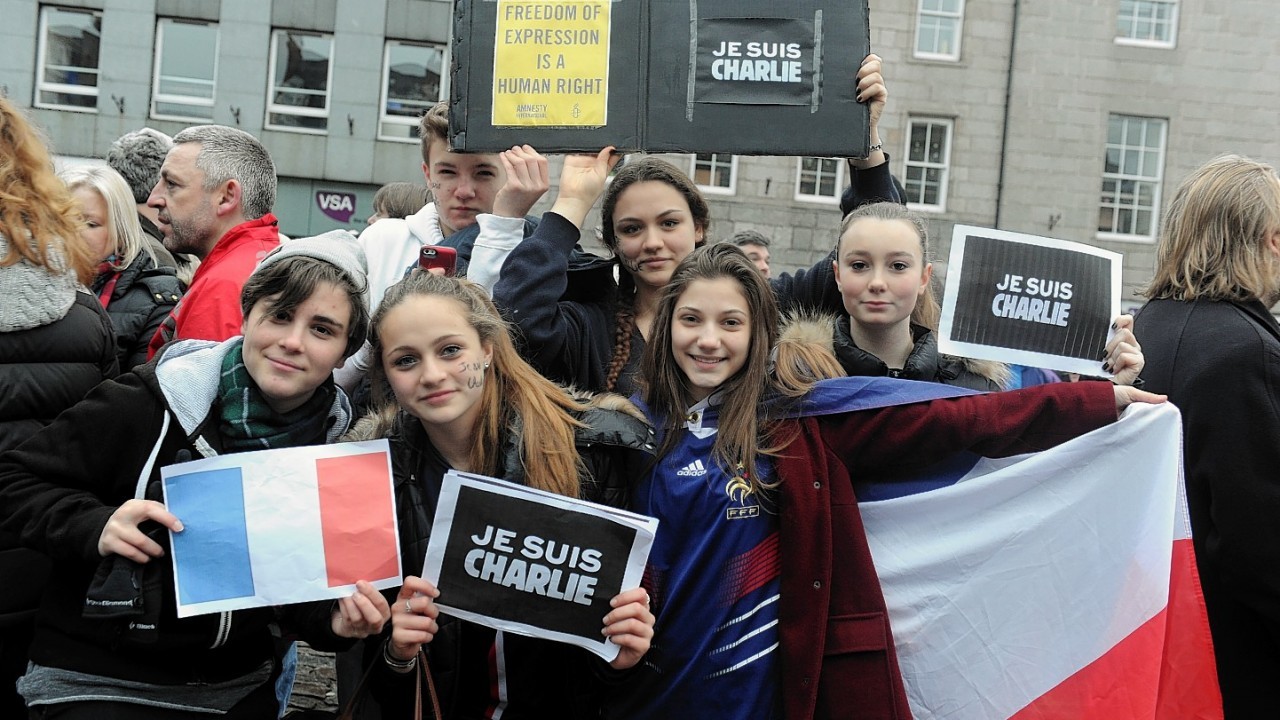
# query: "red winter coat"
{"type": "Point", "coordinates": [211, 308]}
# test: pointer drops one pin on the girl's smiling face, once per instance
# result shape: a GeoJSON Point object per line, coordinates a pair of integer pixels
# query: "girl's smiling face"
{"type": "Point", "coordinates": [881, 272]}
{"type": "Point", "coordinates": [710, 333]}
{"type": "Point", "coordinates": [434, 361]}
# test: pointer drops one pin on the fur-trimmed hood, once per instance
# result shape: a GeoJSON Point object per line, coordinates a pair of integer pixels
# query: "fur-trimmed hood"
{"type": "Point", "coordinates": [608, 418]}
{"type": "Point", "coordinates": [925, 363]}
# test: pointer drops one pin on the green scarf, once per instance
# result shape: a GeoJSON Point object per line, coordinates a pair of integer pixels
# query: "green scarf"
{"type": "Point", "coordinates": [247, 422]}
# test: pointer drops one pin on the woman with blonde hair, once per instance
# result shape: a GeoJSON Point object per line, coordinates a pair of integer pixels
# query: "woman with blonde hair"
{"type": "Point", "coordinates": [456, 395]}
{"type": "Point", "coordinates": [133, 288]}
{"type": "Point", "coordinates": [55, 345]}
{"type": "Point", "coordinates": [1214, 348]}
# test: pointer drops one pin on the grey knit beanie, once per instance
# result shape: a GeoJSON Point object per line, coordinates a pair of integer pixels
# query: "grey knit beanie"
{"type": "Point", "coordinates": [336, 247]}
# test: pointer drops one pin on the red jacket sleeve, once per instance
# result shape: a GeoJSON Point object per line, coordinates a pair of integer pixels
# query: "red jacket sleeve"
{"type": "Point", "coordinates": [990, 424]}
{"type": "Point", "coordinates": [213, 314]}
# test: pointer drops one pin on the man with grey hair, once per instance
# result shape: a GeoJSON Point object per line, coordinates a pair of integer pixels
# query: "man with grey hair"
{"type": "Point", "coordinates": [216, 190]}
{"type": "Point", "coordinates": [137, 156]}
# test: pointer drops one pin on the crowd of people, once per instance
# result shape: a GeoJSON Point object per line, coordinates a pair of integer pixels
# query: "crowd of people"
{"type": "Point", "coordinates": [184, 326]}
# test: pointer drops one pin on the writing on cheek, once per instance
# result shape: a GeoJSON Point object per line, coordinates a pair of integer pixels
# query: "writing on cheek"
{"type": "Point", "coordinates": [476, 379]}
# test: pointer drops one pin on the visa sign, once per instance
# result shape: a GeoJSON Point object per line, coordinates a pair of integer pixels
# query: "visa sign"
{"type": "Point", "coordinates": [339, 206]}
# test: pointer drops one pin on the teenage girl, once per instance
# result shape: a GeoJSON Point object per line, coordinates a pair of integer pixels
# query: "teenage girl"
{"type": "Point", "coordinates": [463, 399]}
{"type": "Point", "coordinates": [86, 491]}
{"type": "Point", "coordinates": [883, 272]}
{"type": "Point", "coordinates": [652, 217]}
{"type": "Point", "coordinates": [766, 599]}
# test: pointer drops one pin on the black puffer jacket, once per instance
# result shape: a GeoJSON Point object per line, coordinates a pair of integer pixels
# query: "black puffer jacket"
{"type": "Point", "coordinates": [924, 363]}
{"type": "Point", "coordinates": [141, 299]}
{"type": "Point", "coordinates": [543, 678]}
{"type": "Point", "coordinates": [46, 366]}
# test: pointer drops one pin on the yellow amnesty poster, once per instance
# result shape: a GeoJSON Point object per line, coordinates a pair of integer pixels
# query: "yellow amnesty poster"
{"type": "Point", "coordinates": [551, 63]}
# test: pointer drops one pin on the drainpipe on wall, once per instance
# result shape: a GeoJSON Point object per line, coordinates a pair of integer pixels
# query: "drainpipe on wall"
{"type": "Point", "coordinates": [1008, 100]}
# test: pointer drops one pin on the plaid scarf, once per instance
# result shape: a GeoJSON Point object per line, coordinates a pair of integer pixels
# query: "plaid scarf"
{"type": "Point", "coordinates": [246, 422]}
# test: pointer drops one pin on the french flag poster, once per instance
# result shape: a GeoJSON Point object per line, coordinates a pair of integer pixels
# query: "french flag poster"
{"type": "Point", "coordinates": [275, 527]}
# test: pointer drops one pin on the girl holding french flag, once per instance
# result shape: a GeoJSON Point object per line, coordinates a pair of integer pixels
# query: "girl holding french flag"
{"type": "Point", "coordinates": [766, 600]}
{"type": "Point", "coordinates": [85, 491]}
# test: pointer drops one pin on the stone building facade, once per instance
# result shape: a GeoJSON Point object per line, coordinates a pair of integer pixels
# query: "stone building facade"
{"type": "Point", "coordinates": [1069, 119]}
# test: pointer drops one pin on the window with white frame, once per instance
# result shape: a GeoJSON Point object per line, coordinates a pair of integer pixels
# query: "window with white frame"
{"type": "Point", "coordinates": [938, 26]}
{"type": "Point", "coordinates": [300, 71]}
{"type": "Point", "coordinates": [1147, 22]}
{"type": "Point", "coordinates": [186, 70]}
{"type": "Point", "coordinates": [819, 179]}
{"type": "Point", "coordinates": [1131, 176]}
{"type": "Point", "coordinates": [67, 59]}
{"type": "Point", "coordinates": [928, 163]}
{"type": "Point", "coordinates": [715, 172]}
{"type": "Point", "coordinates": [412, 81]}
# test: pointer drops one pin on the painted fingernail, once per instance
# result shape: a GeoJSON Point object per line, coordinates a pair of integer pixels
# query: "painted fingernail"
{"type": "Point", "coordinates": [1106, 366]}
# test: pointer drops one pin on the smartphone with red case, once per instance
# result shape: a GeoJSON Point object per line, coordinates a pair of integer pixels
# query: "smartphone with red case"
{"type": "Point", "coordinates": [438, 256]}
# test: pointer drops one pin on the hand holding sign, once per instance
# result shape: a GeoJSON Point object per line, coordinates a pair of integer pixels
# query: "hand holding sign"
{"type": "Point", "coordinates": [630, 626]}
{"type": "Point", "coordinates": [413, 619]}
{"type": "Point", "coordinates": [122, 536]}
{"type": "Point", "coordinates": [1124, 356]}
{"type": "Point", "coordinates": [582, 179]}
{"type": "Point", "coordinates": [361, 614]}
{"type": "Point", "coordinates": [527, 181]}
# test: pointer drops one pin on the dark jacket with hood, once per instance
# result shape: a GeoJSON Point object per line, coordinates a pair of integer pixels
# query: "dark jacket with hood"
{"type": "Point", "coordinates": [542, 678]}
{"type": "Point", "coordinates": [56, 344]}
{"type": "Point", "coordinates": [924, 363]}
{"type": "Point", "coordinates": [61, 486]}
{"type": "Point", "coordinates": [142, 297]}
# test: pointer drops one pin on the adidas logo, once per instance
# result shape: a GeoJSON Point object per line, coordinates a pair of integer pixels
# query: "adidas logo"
{"type": "Point", "coordinates": [693, 469]}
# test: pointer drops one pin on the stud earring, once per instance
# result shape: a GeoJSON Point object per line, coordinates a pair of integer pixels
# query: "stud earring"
{"type": "Point", "coordinates": [486, 366]}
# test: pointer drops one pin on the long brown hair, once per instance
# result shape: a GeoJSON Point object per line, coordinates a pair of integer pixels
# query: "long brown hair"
{"type": "Point", "coordinates": [928, 312]}
{"type": "Point", "coordinates": [649, 169]}
{"type": "Point", "coordinates": [1213, 241]}
{"type": "Point", "coordinates": [38, 217]}
{"type": "Point", "coordinates": [665, 388]}
{"type": "Point", "coordinates": [515, 396]}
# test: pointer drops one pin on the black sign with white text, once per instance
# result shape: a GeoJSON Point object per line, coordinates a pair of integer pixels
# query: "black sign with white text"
{"type": "Point", "coordinates": [1048, 301]}
{"type": "Point", "coordinates": [755, 61]}
{"type": "Point", "coordinates": [530, 562]}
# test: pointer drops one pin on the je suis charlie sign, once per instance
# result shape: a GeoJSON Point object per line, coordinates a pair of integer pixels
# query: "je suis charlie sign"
{"type": "Point", "coordinates": [533, 563]}
{"type": "Point", "coordinates": [1029, 300]}
{"type": "Point", "coordinates": [732, 76]}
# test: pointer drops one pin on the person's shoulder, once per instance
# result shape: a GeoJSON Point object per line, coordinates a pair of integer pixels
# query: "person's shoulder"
{"type": "Point", "coordinates": [161, 284]}
{"type": "Point", "coordinates": [385, 228]}
{"type": "Point", "coordinates": [613, 420]}
{"type": "Point", "coordinates": [86, 312]}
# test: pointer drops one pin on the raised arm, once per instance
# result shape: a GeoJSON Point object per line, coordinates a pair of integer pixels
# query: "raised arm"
{"type": "Point", "coordinates": [502, 231]}
{"type": "Point", "coordinates": [869, 178]}
{"type": "Point", "coordinates": [561, 337]}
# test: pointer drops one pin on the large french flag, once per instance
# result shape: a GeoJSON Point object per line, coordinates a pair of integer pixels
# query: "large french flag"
{"type": "Point", "coordinates": [282, 526]}
{"type": "Point", "coordinates": [1056, 585]}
